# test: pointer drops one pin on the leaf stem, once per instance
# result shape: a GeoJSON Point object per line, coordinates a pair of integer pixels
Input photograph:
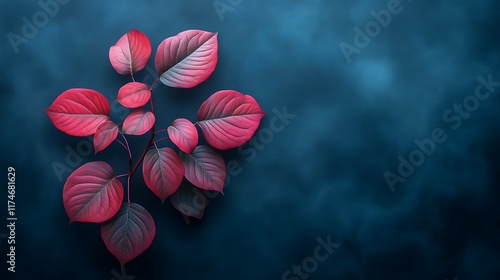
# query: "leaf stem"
{"type": "Point", "coordinates": [159, 140]}
{"type": "Point", "coordinates": [132, 75]}
{"type": "Point", "coordinates": [121, 143]}
{"type": "Point", "coordinates": [161, 130]}
{"type": "Point", "coordinates": [127, 146]}
{"type": "Point", "coordinates": [156, 147]}
{"type": "Point", "coordinates": [150, 141]}
{"type": "Point", "coordinates": [129, 165]}
{"type": "Point", "coordinates": [153, 84]}
{"type": "Point", "coordinates": [128, 188]}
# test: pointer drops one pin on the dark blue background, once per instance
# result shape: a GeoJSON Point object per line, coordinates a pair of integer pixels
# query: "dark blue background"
{"type": "Point", "coordinates": [323, 175]}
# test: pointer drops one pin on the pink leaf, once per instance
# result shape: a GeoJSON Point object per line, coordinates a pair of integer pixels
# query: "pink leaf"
{"type": "Point", "coordinates": [134, 95]}
{"type": "Point", "coordinates": [229, 119]}
{"type": "Point", "coordinates": [189, 200]}
{"type": "Point", "coordinates": [131, 53]}
{"type": "Point", "coordinates": [138, 122]}
{"type": "Point", "coordinates": [183, 134]}
{"type": "Point", "coordinates": [129, 233]}
{"type": "Point", "coordinates": [187, 59]}
{"type": "Point", "coordinates": [92, 193]}
{"type": "Point", "coordinates": [105, 134]}
{"type": "Point", "coordinates": [163, 171]}
{"type": "Point", "coordinates": [205, 168]}
{"type": "Point", "coordinates": [78, 111]}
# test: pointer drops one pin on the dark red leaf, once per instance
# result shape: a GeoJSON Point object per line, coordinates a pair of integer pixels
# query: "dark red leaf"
{"type": "Point", "coordinates": [229, 119]}
{"type": "Point", "coordinates": [129, 233]}
{"type": "Point", "coordinates": [78, 111]}
{"type": "Point", "coordinates": [131, 53]}
{"type": "Point", "coordinates": [134, 95]}
{"type": "Point", "coordinates": [187, 59]}
{"type": "Point", "coordinates": [183, 134]}
{"type": "Point", "coordinates": [105, 134]}
{"type": "Point", "coordinates": [205, 168]}
{"type": "Point", "coordinates": [138, 122]}
{"type": "Point", "coordinates": [92, 193]}
{"type": "Point", "coordinates": [163, 171]}
{"type": "Point", "coordinates": [189, 200]}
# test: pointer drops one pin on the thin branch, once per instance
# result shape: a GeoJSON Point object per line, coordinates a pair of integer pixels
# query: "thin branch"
{"type": "Point", "coordinates": [162, 139]}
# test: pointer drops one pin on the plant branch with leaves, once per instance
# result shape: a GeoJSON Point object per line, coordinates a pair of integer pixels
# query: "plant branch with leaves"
{"type": "Point", "coordinates": [227, 119]}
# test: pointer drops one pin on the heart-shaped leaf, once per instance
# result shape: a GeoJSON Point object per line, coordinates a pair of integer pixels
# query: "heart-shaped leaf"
{"type": "Point", "coordinates": [205, 168]}
{"type": "Point", "coordinates": [183, 134]}
{"type": "Point", "coordinates": [129, 233]}
{"type": "Point", "coordinates": [78, 111]}
{"type": "Point", "coordinates": [187, 59]}
{"type": "Point", "coordinates": [105, 134]}
{"type": "Point", "coordinates": [92, 193]}
{"type": "Point", "coordinates": [229, 119]}
{"type": "Point", "coordinates": [163, 171]}
{"type": "Point", "coordinates": [131, 53]}
{"type": "Point", "coordinates": [138, 122]}
{"type": "Point", "coordinates": [134, 95]}
{"type": "Point", "coordinates": [189, 200]}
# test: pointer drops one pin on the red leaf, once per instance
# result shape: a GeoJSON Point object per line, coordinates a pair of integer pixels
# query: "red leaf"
{"type": "Point", "coordinates": [163, 171]}
{"type": "Point", "coordinates": [183, 134]}
{"type": "Point", "coordinates": [189, 200]}
{"type": "Point", "coordinates": [229, 119]}
{"type": "Point", "coordinates": [131, 53]}
{"type": "Point", "coordinates": [138, 122]}
{"type": "Point", "coordinates": [78, 111]}
{"type": "Point", "coordinates": [187, 59]}
{"type": "Point", "coordinates": [105, 134]}
{"type": "Point", "coordinates": [205, 168]}
{"type": "Point", "coordinates": [134, 95]}
{"type": "Point", "coordinates": [92, 193]}
{"type": "Point", "coordinates": [129, 233]}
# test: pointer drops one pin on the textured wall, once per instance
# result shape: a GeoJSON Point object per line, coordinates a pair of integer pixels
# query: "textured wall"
{"type": "Point", "coordinates": [359, 103]}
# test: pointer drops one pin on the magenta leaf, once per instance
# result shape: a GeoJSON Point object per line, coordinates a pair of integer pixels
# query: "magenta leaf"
{"type": "Point", "coordinates": [129, 233]}
{"type": "Point", "coordinates": [105, 134]}
{"type": "Point", "coordinates": [138, 122]}
{"type": "Point", "coordinates": [78, 111]}
{"type": "Point", "coordinates": [183, 134]}
{"type": "Point", "coordinates": [134, 95]}
{"type": "Point", "coordinates": [189, 200]}
{"type": "Point", "coordinates": [205, 168]}
{"type": "Point", "coordinates": [92, 193]}
{"type": "Point", "coordinates": [187, 59]}
{"type": "Point", "coordinates": [131, 53]}
{"type": "Point", "coordinates": [163, 171]}
{"type": "Point", "coordinates": [229, 119]}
